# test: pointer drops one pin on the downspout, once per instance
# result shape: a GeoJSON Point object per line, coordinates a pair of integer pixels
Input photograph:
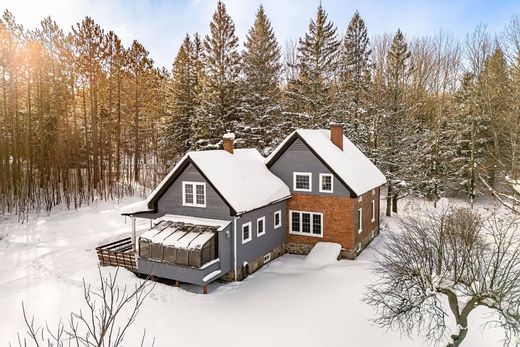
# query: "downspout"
{"type": "Point", "coordinates": [235, 245]}
{"type": "Point", "coordinates": [133, 234]}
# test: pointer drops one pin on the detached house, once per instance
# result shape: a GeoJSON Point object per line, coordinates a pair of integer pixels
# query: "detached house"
{"type": "Point", "coordinates": [224, 213]}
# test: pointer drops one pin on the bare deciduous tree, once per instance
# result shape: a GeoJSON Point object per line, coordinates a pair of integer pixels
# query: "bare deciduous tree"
{"type": "Point", "coordinates": [449, 255]}
{"type": "Point", "coordinates": [101, 325]}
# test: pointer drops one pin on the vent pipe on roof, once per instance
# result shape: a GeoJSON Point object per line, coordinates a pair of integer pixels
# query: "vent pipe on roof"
{"type": "Point", "coordinates": [336, 134]}
{"type": "Point", "coordinates": [229, 140]}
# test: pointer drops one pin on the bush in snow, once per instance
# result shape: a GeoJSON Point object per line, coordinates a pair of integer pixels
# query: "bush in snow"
{"type": "Point", "coordinates": [449, 261]}
{"type": "Point", "coordinates": [101, 324]}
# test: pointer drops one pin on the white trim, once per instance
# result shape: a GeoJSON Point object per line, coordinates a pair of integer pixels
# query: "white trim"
{"type": "Point", "coordinates": [235, 246]}
{"type": "Point", "coordinates": [279, 213]}
{"type": "Point", "coordinates": [360, 199]}
{"type": "Point", "coordinates": [373, 192]}
{"type": "Point", "coordinates": [250, 225]}
{"type": "Point", "coordinates": [360, 219]}
{"type": "Point", "coordinates": [308, 174]}
{"type": "Point", "coordinates": [358, 247]}
{"type": "Point", "coordinates": [263, 224]}
{"type": "Point", "coordinates": [331, 183]}
{"type": "Point", "coordinates": [301, 224]}
{"type": "Point", "coordinates": [267, 258]}
{"type": "Point", "coordinates": [373, 211]}
{"type": "Point", "coordinates": [194, 185]}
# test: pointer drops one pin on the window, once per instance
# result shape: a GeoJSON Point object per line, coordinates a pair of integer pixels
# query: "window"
{"type": "Point", "coordinates": [306, 223]}
{"type": "Point", "coordinates": [326, 183]}
{"type": "Point", "coordinates": [194, 194]}
{"type": "Point", "coordinates": [373, 192]}
{"type": "Point", "coordinates": [267, 257]}
{"type": "Point", "coordinates": [373, 211]}
{"type": "Point", "coordinates": [302, 181]}
{"type": "Point", "coordinates": [246, 232]}
{"type": "Point", "coordinates": [360, 220]}
{"type": "Point", "coordinates": [277, 219]}
{"type": "Point", "coordinates": [260, 226]}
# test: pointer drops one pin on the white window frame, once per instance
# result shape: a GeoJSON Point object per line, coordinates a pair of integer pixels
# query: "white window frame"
{"type": "Point", "coordinates": [263, 223]}
{"type": "Point", "coordinates": [331, 183]}
{"type": "Point", "coordinates": [308, 174]}
{"type": "Point", "coordinates": [279, 213]}
{"type": "Point", "coordinates": [360, 219]}
{"type": "Point", "coordinates": [194, 185]}
{"type": "Point", "coordinates": [373, 211]}
{"type": "Point", "coordinates": [301, 233]}
{"type": "Point", "coordinates": [358, 247]}
{"type": "Point", "coordinates": [250, 225]}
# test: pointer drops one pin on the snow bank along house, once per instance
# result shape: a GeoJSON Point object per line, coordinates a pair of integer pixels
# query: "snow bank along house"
{"type": "Point", "coordinates": [225, 213]}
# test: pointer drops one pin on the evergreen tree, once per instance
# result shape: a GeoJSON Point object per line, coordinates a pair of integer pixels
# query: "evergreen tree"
{"type": "Point", "coordinates": [472, 139]}
{"type": "Point", "coordinates": [354, 81]}
{"type": "Point", "coordinates": [261, 92]}
{"type": "Point", "coordinates": [220, 97]}
{"type": "Point", "coordinates": [398, 128]}
{"type": "Point", "coordinates": [311, 97]}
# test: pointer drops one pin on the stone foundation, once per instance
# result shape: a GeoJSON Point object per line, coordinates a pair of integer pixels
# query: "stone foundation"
{"type": "Point", "coordinates": [253, 265]}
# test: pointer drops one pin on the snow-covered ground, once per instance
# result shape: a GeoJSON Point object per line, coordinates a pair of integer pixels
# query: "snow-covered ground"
{"type": "Point", "coordinates": [292, 301]}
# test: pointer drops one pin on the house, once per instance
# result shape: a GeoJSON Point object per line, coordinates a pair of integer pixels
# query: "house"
{"type": "Point", "coordinates": [222, 214]}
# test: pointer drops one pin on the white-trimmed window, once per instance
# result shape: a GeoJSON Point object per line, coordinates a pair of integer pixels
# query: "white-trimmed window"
{"type": "Point", "coordinates": [373, 211]}
{"type": "Point", "coordinates": [302, 181]}
{"type": "Point", "coordinates": [360, 220]}
{"type": "Point", "coordinates": [306, 223]}
{"type": "Point", "coordinates": [246, 232]}
{"type": "Point", "coordinates": [260, 226]}
{"type": "Point", "coordinates": [194, 194]}
{"type": "Point", "coordinates": [277, 219]}
{"type": "Point", "coordinates": [326, 183]}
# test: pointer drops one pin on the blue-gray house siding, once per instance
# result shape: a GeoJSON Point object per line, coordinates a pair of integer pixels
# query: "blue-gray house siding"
{"type": "Point", "coordinates": [299, 158]}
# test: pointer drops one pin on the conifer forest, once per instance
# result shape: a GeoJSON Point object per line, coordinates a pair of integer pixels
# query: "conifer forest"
{"type": "Point", "coordinates": [82, 117]}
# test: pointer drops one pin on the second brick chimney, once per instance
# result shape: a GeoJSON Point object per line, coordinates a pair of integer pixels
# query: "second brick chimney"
{"type": "Point", "coordinates": [229, 140]}
{"type": "Point", "coordinates": [336, 134]}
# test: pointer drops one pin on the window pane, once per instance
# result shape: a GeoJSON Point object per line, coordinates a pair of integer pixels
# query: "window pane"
{"type": "Point", "coordinates": [260, 226]}
{"type": "Point", "coordinates": [316, 224]}
{"type": "Point", "coordinates": [201, 196]}
{"type": "Point", "coordinates": [359, 219]}
{"type": "Point", "coordinates": [277, 219]}
{"type": "Point", "coordinates": [306, 222]}
{"type": "Point", "coordinates": [245, 232]}
{"type": "Point", "coordinates": [295, 221]}
{"type": "Point", "coordinates": [302, 182]}
{"type": "Point", "coordinates": [372, 211]}
{"type": "Point", "coordinates": [188, 194]}
{"type": "Point", "coordinates": [326, 183]}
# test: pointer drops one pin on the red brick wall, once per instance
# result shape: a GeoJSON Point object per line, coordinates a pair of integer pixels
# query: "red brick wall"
{"type": "Point", "coordinates": [339, 217]}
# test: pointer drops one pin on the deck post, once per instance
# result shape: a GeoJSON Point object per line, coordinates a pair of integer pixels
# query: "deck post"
{"type": "Point", "coordinates": [205, 289]}
{"type": "Point", "coordinates": [134, 236]}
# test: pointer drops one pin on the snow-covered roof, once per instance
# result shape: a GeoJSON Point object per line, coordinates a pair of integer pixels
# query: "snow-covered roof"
{"type": "Point", "coordinates": [350, 165]}
{"type": "Point", "coordinates": [241, 178]}
{"type": "Point", "coordinates": [221, 224]}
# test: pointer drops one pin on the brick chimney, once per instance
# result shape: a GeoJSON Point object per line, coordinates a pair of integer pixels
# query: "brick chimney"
{"type": "Point", "coordinates": [336, 134]}
{"type": "Point", "coordinates": [229, 139]}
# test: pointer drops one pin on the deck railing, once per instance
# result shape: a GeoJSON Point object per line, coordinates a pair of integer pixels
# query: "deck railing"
{"type": "Point", "coordinates": [118, 253]}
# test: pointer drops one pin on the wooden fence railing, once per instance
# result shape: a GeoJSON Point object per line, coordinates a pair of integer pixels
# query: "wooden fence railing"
{"type": "Point", "coordinates": [118, 253]}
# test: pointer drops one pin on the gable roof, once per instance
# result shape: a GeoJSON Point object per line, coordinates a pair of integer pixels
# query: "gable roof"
{"type": "Point", "coordinates": [349, 165]}
{"type": "Point", "coordinates": [241, 179]}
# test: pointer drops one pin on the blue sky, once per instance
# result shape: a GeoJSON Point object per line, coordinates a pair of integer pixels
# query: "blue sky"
{"type": "Point", "coordinates": [160, 25]}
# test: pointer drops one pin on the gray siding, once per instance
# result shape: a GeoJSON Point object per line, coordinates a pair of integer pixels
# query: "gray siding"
{"type": "Point", "coordinates": [171, 201]}
{"type": "Point", "coordinates": [298, 158]}
{"type": "Point", "coordinates": [260, 245]}
{"type": "Point", "coordinates": [190, 274]}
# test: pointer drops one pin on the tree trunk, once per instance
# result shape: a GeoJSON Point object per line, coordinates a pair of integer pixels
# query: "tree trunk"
{"type": "Point", "coordinates": [394, 203]}
{"type": "Point", "coordinates": [389, 201]}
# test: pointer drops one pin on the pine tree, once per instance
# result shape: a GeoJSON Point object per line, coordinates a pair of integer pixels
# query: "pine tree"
{"type": "Point", "coordinates": [471, 140]}
{"type": "Point", "coordinates": [261, 92]}
{"type": "Point", "coordinates": [311, 97]}
{"type": "Point", "coordinates": [220, 97]}
{"type": "Point", "coordinates": [182, 101]}
{"type": "Point", "coordinates": [398, 128]}
{"type": "Point", "coordinates": [354, 81]}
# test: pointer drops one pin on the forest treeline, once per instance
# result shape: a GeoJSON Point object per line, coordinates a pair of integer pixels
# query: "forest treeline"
{"type": "Point", "coordinates": [83, 117]}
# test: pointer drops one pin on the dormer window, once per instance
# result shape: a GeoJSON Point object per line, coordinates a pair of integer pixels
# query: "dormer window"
{"type": "Point", "coordinates": [302, 181]}
{"type": "Point", "coordinates": [194, 194]}
{"type": "Point", "coordinates": [326, 183]}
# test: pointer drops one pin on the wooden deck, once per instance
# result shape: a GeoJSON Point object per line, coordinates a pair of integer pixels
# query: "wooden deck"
{"type": "Point", "coordinates": [118, 253]}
